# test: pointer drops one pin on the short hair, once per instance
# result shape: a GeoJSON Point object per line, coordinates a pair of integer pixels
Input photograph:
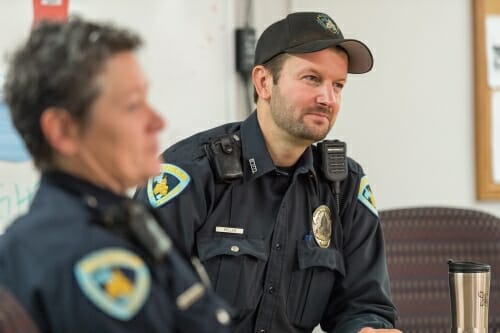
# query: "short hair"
{"type": "Point", "coordinates": [57, 67]}
{"type": "Point", "coordinates": [274, 66]}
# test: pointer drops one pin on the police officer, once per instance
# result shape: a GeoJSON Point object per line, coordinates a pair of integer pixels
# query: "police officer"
{"type": "Point", "coordinates": [86, 258]}
{"type": "Point", "coordinates": [288, 231]}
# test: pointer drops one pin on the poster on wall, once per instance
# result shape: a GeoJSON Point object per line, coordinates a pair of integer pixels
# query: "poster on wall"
{"type": "Point", "coordinates": [18, 183]}
{"type": "Point", "coordinates": [495, 142]}
{"type": "Point", "coordinates": [11, 146]}
{"type": "Point", "coordinates": [18, 179]}
{"type": "Point", "coordinates": [493, 50]}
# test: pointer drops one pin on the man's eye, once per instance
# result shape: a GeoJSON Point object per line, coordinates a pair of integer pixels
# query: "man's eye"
{"type": "Point", "coordinates": [311, 78]}
{"type": "Point", "coordinates": [339, 85]}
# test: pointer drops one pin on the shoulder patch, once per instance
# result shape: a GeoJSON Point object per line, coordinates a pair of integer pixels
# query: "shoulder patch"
{"type": "Point", "coordinates": [116, 280]}
{"type": "Point", "coordinates": [167, 185]}
{"type": "Point", "coordinates": [365, 195]}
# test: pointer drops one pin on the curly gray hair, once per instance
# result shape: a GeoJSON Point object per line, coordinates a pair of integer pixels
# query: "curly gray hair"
{"type": "Point", "coordinates": [57, 67]}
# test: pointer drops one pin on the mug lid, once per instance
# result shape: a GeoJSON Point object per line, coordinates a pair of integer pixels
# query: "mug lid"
{"type": "Point", "coordinates": [467, 267]}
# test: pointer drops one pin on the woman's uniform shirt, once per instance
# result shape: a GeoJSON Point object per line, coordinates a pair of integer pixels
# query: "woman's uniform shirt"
{"type": "Point", "coordinates": [74, 274]}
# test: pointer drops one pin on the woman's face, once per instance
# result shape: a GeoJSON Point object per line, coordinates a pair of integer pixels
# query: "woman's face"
{"type": "Point", "coordinates": [119, 142]}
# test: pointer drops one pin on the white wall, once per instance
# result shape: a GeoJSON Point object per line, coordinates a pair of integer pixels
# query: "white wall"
{"type": "Point", "coordinates": [188, 57]}
{"type": "Point", "coordinates": [409, 121]}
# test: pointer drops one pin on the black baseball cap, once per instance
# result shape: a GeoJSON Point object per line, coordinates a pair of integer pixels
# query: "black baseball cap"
{"type": "Point", "coordinates": [305, 32]}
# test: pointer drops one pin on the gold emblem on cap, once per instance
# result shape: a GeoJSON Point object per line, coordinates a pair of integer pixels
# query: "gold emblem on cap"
{"type": "Point", "coordinates": [327, 23]}
{"type": "Point", "coordinates": [322, 226]}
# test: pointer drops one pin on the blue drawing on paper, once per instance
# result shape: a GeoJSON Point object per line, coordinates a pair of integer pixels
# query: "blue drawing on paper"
{"type": "Point", "coordinates": [12, 148]}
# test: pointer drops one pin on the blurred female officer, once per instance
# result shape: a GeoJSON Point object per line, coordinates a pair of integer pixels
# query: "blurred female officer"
{"type": "Point", "coordinates": [85, 258]}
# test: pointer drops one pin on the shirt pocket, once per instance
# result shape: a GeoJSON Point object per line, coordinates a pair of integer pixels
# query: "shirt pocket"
{"type": "Point", "coordinates": [312, 283]}
{"type": "Point", "coordinates": [236, 269]}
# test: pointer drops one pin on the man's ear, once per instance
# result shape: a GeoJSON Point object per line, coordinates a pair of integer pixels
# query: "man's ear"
{"type": "Point", "coordinates": [60, 130]}
{"type": "Point", "coordinates": [262, 81]}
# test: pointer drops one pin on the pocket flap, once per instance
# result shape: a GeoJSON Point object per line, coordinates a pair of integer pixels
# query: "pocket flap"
{"type": "Point", "coordinates": [209, 247]}
{"type": "Point", "coordinates": [311, 255]}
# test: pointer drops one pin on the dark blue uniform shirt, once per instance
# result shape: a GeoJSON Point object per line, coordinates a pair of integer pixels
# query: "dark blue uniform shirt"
{"type": "Point", "coordinates": [73, 274]}
{"type": "Point", "coordinates": [255, 236]}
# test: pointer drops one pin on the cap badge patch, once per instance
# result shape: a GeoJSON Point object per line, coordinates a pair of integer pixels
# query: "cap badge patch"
{"type": "Point", "coordinates": [115, 280]}
{"type": "Point", "coordinates": [327, 23]}
{"type": "Point", "coordinates": [365, 196]}
{"type": "Point", "coordinates": [167, 185]}
{"type": "Point", "coordinates": [322, 226]}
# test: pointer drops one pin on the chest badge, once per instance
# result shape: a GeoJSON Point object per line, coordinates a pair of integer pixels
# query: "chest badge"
{"type": "Point", "coordinates": [322, 226]}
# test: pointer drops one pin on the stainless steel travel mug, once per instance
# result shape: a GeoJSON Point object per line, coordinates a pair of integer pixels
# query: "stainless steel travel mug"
{"type": "Point", "coordinates": [469, 294]}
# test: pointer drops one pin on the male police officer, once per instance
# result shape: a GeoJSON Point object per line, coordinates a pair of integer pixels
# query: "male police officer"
{"type": "Point", "coordinates": [288, 231]}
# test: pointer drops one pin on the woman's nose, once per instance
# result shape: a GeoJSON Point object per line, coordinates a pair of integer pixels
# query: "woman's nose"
{"type": "Point", "coordinates": [157, 121]}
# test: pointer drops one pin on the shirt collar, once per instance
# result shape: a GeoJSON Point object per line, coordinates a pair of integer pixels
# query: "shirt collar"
{"type": "Point", "coordinates": [256, 158]}
{"type": "Point", "coordinates": [81, 188]}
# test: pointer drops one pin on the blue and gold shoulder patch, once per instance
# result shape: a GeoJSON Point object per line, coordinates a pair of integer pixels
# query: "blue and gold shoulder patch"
{"type": "Point", "coordinates": [365, 196]}
{"type": "Point", "coordinates": [167, 185]}
{"type": "Point", "coordinates": [116, 280]}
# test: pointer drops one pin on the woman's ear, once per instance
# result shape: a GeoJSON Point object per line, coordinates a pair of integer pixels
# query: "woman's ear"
{"type": "Point", "coordinates": [262, 81]}
{"type": "Point", "coordinates": [60, 130]}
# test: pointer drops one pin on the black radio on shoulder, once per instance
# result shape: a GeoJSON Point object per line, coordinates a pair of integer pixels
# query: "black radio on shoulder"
{"type": "Point", "coordinates": [224, 154]}
{"type": "Point", "coordinates": [333, 154]}
{"type": "Point", "coordinates": [136, 222]}
{"type": "Point", "coordinates": [333, 159]}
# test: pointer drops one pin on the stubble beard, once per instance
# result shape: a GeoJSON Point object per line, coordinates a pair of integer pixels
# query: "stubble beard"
{"type": "Point", "coordinates": [283, 116]}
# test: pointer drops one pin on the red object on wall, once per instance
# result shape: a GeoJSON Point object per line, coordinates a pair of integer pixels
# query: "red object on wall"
{"type": "Point", "coordinates": [55, 10]}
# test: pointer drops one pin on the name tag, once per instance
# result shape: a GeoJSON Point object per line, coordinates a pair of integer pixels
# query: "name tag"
{"type": "Point", "coordinates": [229, 230]}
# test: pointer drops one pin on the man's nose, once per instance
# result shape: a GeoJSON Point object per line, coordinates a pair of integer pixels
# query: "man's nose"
{"type": "Point", "coordinates": [326, 96]}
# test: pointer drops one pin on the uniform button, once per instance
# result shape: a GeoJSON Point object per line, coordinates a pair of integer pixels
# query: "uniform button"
{"type": "Point", "coordinates": [261, 331]}
{"type": "Point", "coordinates": [235, 248]}
{"type": "Point", "coordinates": [278, 246]}
{"type": "Point", "coordinates": [222, 316]}
{"type": "Point", "coordinates": [271, 290]}
{"type": "Point", "coordinates": [91, 201]}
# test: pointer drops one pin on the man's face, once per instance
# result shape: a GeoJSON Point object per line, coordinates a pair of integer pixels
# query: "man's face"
{"type": "Point", "coordinates": [306, 99]}
{"type": "Point", "coordinates": [120, 139]}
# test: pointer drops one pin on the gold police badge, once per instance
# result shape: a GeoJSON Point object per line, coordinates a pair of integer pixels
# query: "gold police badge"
{"type": "Point", "coordinates": [322, 226]}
